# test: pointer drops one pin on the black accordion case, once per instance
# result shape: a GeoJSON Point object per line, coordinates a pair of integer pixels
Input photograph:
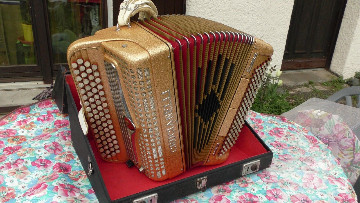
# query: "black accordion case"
{"type": "Point", "coordinates": [114, 182]}
{"type": "Point", "coordinates": [157, 106]}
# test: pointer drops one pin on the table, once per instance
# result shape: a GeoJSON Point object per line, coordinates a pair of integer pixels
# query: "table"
{"type": "Point", "coordinates": [39, 164]}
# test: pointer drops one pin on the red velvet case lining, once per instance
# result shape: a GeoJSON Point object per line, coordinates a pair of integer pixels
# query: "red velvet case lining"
{"type": "Point", "coordinates": [121, 181]}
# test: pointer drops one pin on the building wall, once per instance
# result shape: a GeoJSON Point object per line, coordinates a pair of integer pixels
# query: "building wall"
{"type": "Point", "coordinates": [346, 58]}
{"type": "Point", "coordinates": [270, 21]}
{"type": "Point", "coordinates": [110, 12]}
{"type": "Point", "coordinates": [264, 19]}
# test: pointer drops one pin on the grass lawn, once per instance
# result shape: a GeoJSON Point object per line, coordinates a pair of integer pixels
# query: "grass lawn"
{"type": "Point", "coordinates": [300, 94]}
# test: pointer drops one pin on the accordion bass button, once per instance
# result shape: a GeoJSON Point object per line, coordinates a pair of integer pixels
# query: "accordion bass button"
{"type": "Point", "coordinates": [79, 60]}
{"type": "Point", "coordinates": [74, 65]}
{"type": "Point", "coordinates": [87, 64]}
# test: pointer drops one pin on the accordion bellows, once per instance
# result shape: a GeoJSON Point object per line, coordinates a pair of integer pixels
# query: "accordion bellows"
{"type": "Point", "coordinates": [169, 93]}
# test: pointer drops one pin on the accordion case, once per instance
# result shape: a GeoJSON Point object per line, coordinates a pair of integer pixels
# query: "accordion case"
{"type": "Point", "coordinates": [113, 182]}
{"type": "Point", "coordinates": [166, 93]}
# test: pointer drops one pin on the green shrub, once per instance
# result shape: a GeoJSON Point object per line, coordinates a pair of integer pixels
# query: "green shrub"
{"type": "Point", "coordinates": [357, 75]}
{"type": "Point", "coordinates": [271, 99]}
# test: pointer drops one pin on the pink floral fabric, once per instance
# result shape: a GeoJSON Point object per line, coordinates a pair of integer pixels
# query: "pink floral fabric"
{"type": "Point", "coordinates": [303, 170]}
{"type": "Point", "coordinates": [38, 164]}
{"type": "Point", "coordinates": [334, 132]}
{"type": "Point", "coordinates": [37, 160]}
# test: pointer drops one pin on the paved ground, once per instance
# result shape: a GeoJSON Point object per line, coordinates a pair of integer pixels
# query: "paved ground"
{"type": "Point", "coordinates": [17, 94]}
{"type": "Point", "coordinates": [300, 77]}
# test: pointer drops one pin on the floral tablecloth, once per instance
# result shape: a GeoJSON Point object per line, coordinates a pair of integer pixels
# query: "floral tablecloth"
{"type": "Point", "coordinates": [39, 164]}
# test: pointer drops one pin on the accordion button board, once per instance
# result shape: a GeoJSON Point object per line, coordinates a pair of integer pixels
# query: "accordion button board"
{"type": "Point", "coordinates": [168, 93]}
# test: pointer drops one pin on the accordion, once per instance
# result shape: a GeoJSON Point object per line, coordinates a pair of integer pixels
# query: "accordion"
{"type": "Point", "coordinates": [166, 92]}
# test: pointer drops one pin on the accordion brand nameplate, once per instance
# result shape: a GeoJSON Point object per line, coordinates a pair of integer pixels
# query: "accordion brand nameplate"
{"type": "Point", "coordinates": [114, 182]}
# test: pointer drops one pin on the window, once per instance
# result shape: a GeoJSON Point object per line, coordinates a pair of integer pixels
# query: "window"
{"type": "Point", "coordinates": [34, 35]}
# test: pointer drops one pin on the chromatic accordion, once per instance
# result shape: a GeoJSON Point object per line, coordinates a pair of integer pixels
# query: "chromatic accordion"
{"type": "Point", "coordinates": [168, 92]}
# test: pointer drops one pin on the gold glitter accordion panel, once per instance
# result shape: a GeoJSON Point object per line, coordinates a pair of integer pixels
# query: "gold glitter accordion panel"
{"type": "Point", "coordinates": [168, 93]}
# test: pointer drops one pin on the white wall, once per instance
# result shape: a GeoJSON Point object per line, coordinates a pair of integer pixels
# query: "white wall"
{"type": "Point", "coordinates": [265, 19]}
{"type": "Point", "coordinates": [346, 58]}
{"type": "Point", "coordinates": [110, 12]}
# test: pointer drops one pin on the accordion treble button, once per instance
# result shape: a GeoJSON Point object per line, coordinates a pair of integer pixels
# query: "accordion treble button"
{"type": "Point", "coordinates": [231, 143]}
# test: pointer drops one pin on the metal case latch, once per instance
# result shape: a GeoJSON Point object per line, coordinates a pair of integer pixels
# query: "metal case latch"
{"type": "Point", "coordinates": [251, 167]}
{"type": "Point", "coordinates": [90, 167]}
{"type": "Point", "coordinates": [201, 183]}
{"type": "Point", "coordinates": [147, 199]}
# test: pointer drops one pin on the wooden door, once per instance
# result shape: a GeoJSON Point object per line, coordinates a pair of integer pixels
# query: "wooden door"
{"type": "Point", "coordinates": [163, 6]}
{"type": "Point", "coordinates": [313, 33]}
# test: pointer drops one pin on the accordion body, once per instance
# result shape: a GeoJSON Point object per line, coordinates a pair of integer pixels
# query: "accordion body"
{"type": "Point", "coordinates": [168, 93]}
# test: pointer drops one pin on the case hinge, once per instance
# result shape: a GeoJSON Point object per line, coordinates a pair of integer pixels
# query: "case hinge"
{"type": "Point", "coordinates": [147, 199]}
{"type": "Point", "coordinates": [201, 183]}
{"type": "Point", "coordinates": [251, 167]}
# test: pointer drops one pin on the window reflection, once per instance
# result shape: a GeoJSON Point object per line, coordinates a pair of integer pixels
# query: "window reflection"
{"type": "Point", "coordinates": [70, 20]}
{"type": "Point", "coordinates": [16, 35]}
